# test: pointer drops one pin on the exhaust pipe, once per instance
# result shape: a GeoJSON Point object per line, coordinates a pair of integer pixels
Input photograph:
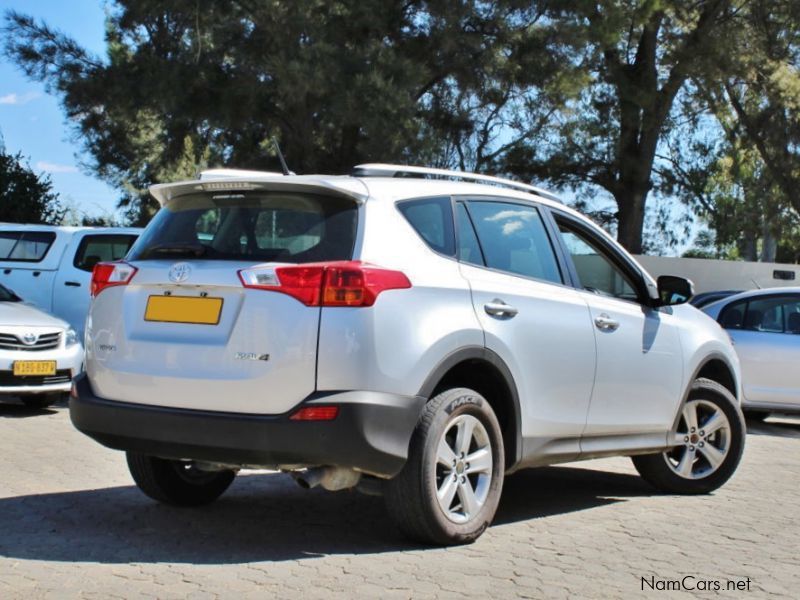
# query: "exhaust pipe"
{"type": "Point", "coordinates": [332, 479]}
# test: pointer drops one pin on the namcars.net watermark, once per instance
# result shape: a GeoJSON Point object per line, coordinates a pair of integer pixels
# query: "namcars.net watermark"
{"type": "Point", "coordinates": [691, 583]}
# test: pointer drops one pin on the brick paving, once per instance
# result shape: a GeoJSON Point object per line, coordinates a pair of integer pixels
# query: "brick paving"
{"type": "Point", "coordinates": [72, 525]}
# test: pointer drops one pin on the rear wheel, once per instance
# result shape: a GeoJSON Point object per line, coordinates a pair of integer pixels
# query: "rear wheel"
{"type": "Point", "coordinates": [41, 400]}
{"type": "Point", "coordinates": [448, 491]}
{"type": "Point", "coordinates": [177, 482]}
{"type": "Point", "coordinates": [707, 444]}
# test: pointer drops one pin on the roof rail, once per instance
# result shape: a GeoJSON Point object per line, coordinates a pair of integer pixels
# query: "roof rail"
{"type": "Point", "coordinates": [386, 170]}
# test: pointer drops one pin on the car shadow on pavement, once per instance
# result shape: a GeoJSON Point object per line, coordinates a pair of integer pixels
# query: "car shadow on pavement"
{"type": "Point", "coordinates": [261, 518]}
{"type": "Point", "coordinates": [20, 411]}
{"type": "Point", "coordinates": [550, 491]}
{"type": "Point", "coordinates": [776, 425]}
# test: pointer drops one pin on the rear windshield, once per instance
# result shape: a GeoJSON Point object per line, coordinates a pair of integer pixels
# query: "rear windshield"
{"type": "Point", "coordinates": [276, 227]}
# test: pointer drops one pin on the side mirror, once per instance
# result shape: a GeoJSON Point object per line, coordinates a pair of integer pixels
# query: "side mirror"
{"type": "Point", "coordinates": [674, 290]}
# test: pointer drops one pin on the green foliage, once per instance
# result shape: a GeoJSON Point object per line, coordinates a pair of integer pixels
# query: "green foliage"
{"type": "Point", "coordinates": [635, 58]}
{"type": "Point", "coordinates": [26, 197]}
{"type": "Point", "coordinates": [634, 102]}
{"type": "Point", "coordinates": [186, 84]}
{"type": "Point", "coordinates": [742, 174]}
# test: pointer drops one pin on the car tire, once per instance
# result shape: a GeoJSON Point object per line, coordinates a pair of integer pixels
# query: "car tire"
{"type": "Point", "coordinates": [41, 400]}
{"type": "Point", "coordinates": [176, 482]}
{"type": "Point", "coordinates": [709, 442]}
{"type": "Point", "coordinates": [470, 489]}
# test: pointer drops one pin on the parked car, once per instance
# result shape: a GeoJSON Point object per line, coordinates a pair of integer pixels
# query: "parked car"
{"type": "Point", "coordinates": [765, 328]}
{"type": "Point", "coordinates": [706, 298]}
{"type": "Point", "coordinates": [51, 266]}
{"type": "Point", "coordinates": [396, 333]}
{"type": "Point", "coordinates": [39, 354]}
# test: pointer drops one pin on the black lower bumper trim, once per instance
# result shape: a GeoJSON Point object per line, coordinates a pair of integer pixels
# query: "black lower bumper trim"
{"type": "Point", "coordinates": [371, 432]}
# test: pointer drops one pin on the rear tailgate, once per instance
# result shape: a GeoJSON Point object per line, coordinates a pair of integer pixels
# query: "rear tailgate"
{"type": "Point", "coordinates": [185, 332]}
{"type": "Point", "coordinates": [260, 357]}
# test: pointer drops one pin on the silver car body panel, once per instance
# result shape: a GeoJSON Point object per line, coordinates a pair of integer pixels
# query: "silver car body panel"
{"type": "Point", "coordinates": [769, 360]}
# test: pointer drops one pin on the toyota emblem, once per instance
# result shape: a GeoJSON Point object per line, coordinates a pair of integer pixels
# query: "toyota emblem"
{"type": "Point", "coordinates": [29, 339]}
{"type": "Point", "coordinates": [179, 272]}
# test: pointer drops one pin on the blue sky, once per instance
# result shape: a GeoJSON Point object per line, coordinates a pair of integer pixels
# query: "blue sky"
{"type": "Point", "coordinates": [32, 122]}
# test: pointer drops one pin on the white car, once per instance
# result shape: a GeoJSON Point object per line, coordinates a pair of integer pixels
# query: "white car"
{"type": "Point", "coordinates": [410, 331]}
{"type": "Point", "coordinates": [39, 353]}
{"type": "Point", "coordinates": [50, 266]}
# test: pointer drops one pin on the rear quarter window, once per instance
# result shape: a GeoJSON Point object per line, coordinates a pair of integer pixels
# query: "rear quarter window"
{"type": "Point", "coordinates": [432, 219]}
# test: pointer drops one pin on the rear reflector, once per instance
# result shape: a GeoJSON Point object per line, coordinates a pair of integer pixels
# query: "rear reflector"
{"type": "Point", "coordinates": [109, 274]}
{"type": "Point", "coordinates": [341, 283]}
{"type": "Point", "coordinates": [316, 413]}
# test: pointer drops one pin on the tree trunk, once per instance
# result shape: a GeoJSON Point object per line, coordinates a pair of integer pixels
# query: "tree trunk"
{"type": "Point", "coordinates": [769, 246]}
{"type": "Point", "coordinates": [630, 219]}
{"type": "Point", "coordinates": [749, 246]}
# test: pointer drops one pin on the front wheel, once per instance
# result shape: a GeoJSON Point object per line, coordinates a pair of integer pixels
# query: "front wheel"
{"type": "Point", "coordinates": [177, 482]}
{"type": "Point", "coordinates": [449, 488]}
{"type": "Point", "coordinates": [707, 445]}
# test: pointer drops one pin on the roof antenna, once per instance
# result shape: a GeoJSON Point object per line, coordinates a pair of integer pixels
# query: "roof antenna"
{"type": "Point", "coordinates": [284, 166]}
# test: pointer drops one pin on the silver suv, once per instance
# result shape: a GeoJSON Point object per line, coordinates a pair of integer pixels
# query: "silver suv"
{"type": "Point", "coordinates": [405, 331]}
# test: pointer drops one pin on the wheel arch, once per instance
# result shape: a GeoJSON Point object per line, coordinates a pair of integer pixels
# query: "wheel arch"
{"type": "Point", "coordinates": [715, 367]}
{"type": "Point", "coordinates": [484, 371]}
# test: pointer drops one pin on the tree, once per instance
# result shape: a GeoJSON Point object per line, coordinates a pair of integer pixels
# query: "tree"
{"type": "Point", "coordinates": [25, 197]}
{"type": "Point", "coordinates": [635, 58]}
{"type": "Point", "coordinates": [744, 178]}
{"type": "Point", "coordinates": [185, 84]}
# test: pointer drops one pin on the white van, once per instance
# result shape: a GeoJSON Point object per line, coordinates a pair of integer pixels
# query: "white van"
{"type": "Point", "coordinates": [51, 266]}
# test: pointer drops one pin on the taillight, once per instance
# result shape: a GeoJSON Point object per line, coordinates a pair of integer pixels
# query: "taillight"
{"type": "Point", "coordinates": [315, 413]}
{"type": "Point", "coordinates": [343, 283]}
{"type": "Point", "coordinates": [109, 274]}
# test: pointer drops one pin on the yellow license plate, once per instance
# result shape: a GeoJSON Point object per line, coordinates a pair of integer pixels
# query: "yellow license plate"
{"type": "Point", "coordinates": [34, 367]}
{"type": "Point", "coordinates": [183, 309]}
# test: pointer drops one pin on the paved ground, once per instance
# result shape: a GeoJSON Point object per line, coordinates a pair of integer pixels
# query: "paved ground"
{"type": "Point", "coordinates": [72, 525]}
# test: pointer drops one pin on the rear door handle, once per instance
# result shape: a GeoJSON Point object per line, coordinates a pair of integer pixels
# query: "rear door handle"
{"type": "Point", "coordinates": [605, 323]}
{"type": "Point", "coordinates": [72, 283]}
{"type": "Point", "coordinates": [498, 308]}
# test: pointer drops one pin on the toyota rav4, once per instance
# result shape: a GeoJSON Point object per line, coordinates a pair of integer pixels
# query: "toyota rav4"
{"type": "Point", "coordinates": [406, 331]}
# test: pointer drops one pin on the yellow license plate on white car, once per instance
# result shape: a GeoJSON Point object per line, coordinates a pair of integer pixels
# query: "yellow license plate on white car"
{"type": "Point", "coordinates": [183, 309]}
{"type": "Point", "coordinates": [34, 367]}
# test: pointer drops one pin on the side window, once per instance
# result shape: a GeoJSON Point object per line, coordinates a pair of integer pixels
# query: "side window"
{"type": "Point", "coordinates": [514, 239]}
{"type": "Point", "coordinates": [432, 219]}
{"type": "Point", "coordinates": [25, 246]}
{"type": "Point", "coordinates": [732, 316]}
{"type": "Point", "coordinates": [596, 270]}
{"type": "Point", "coordinates": [101, 248]}
{"type": "Point", "coordinates": [772, 314]}
{"type": "Point", "coordinates": [468, 248]}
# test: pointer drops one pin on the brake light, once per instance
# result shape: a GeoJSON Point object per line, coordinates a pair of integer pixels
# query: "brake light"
{"type": "Point", "coordinates": [109, 274]}
{"type": "Point", "coordinates": [315, 413]}
{"type": "Point", "coordinates": [342, 283]}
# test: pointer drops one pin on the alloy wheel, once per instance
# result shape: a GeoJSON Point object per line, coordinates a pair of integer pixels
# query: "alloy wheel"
{"type": "Point", "coordinates": [463, 468]}
{"type": "Point", "coordinates": [702, 440]}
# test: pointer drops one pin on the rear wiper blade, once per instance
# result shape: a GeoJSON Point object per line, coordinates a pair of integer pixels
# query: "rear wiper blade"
{"type": "Point", "coordinates": [179, 248]}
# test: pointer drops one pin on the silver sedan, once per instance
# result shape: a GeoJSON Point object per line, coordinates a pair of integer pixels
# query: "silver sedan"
{"type": "Point", "coordinates": [39, 353]}
{"type": "Point", "coordinates": [765, 328]}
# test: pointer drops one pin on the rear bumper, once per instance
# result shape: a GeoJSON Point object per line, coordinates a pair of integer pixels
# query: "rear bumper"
{"type": "Point", "coordinates": [371, 432]}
